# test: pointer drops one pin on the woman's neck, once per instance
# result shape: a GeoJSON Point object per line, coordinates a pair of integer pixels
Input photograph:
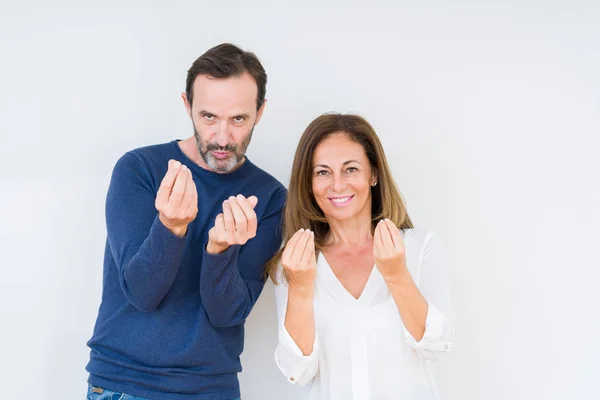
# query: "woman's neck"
{"type": "Point", "coordinates": [353, 232]}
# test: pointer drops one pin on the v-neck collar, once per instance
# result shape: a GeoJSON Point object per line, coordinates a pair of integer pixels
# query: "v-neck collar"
{"type": "Point", "coordinates": [333, 285]}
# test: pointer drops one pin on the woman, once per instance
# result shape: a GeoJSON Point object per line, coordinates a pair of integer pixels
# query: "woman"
{"type": "Point", "coordinates": [362, 299]}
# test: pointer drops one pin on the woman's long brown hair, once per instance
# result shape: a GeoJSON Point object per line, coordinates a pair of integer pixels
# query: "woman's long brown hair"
{"type": "Point", "coordinates": [301, 210]}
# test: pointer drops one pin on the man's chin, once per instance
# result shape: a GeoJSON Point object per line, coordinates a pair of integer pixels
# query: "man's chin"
{"type": "Point", "coordinates": [223, 165]}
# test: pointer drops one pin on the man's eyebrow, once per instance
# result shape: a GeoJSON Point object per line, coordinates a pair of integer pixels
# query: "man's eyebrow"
{"type": "Point", "coordinates": [205, 112]}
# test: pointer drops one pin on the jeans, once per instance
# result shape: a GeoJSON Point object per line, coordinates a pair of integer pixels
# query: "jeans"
{"type": "Point", "coordinates": [93, 394]}
{"type": "Point", "coordinates": [96, 393]}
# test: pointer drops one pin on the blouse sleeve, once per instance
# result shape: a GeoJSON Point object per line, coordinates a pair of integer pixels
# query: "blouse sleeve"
{"type": "Point", "coordinates": [296, 367]}
{"type": "Point", "coordinates": [433, 284]}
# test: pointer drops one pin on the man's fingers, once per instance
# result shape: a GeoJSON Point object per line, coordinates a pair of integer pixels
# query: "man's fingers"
{"type": "Point", "coordinates": [179, 187]}
{"type": "Point", "coordinates": [166, 185]}
{"type": "Point", "coordinates": [220, 223]}
{"type": "Point", "coordinates": [228, 219]}
{"type": "Point", "coordinates": [192, 193]}
{"type": "Point", "coordinates": [238, 216]}
{"type": "Point", "coordinates": [253, 200]}
{"type": "Point", "coordinates": [248, 210]}
{"type": "Point", "coordinates": [190, 186]}
{"type": "Point", "coordinates": [219, 229]}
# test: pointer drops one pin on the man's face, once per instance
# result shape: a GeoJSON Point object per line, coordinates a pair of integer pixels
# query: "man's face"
{"type": "Point", "coordinates": [223, 114]}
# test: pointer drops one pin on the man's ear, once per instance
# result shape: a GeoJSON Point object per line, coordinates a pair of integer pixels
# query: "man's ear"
{"type": "Point", "coordinates": [186, 103]}
{"type": "Point", "coordinates": [260, 111]}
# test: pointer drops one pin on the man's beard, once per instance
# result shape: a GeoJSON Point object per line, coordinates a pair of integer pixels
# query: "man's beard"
{"type": "Point", "coordinates": [237, 153]}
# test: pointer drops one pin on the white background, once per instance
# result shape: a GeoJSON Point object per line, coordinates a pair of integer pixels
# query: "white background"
{"type": "Point", "coordinates": [489, 113]}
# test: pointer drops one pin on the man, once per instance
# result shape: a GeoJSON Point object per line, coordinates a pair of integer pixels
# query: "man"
{"type": "Point", "coordinates": [190, 226]}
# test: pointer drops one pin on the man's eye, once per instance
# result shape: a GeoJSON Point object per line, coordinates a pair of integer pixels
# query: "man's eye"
{"type": "Point", "coordinates": [238, 119]}
{"type": "Point", "coordinates": [209, 116]}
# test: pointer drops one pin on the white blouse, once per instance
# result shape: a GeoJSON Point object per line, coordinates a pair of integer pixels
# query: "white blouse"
{"type": "Point", "coordinates": [362, 350]}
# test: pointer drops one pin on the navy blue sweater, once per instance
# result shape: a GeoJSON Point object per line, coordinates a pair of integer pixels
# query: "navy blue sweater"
{"type": "Point", "coordinates": [170, 325]}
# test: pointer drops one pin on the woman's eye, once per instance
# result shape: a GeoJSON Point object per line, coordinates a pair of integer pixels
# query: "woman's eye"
{"type": "Point", "coordinates": [352, 169]}
{"type": "Point", "coordinates": [322, 173]}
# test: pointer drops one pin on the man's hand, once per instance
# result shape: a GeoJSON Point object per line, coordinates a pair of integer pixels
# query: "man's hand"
{"type": "Point", "coordinates": [235, 225]}
{"type": "Point", "coordinates": [177, 199]}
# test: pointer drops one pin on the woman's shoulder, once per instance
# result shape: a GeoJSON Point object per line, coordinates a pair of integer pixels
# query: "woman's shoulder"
{"type": "Point", "coordinates": [418, 237]}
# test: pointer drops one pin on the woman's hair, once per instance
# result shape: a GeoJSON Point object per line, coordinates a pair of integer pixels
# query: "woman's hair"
{"type": "Point", "coordinates": [301, 210]}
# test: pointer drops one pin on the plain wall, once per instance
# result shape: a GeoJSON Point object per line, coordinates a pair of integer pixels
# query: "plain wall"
{"type": "Point", "coordinates": [489, 113]}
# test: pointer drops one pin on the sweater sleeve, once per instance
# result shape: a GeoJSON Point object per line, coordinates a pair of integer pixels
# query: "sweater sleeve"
{"type": "Point", "coordinates": [231, 282]}
{"type": "Point", "coordinates": [146, 253]}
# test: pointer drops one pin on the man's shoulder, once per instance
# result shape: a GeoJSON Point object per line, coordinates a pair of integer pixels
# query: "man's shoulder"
{"type": "Point", "coordinates": [152, 151]}
{"type": "Point", "coordinates": [266, 179]}
{"type": "Point", "coordinates": [146, 157]}
{"type": "Point", "coordinates": [268, 188]}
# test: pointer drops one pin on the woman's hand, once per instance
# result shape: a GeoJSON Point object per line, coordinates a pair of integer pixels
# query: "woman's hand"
{"type": "Point", "coordinates": [389, 251]}
{"type": "Point", "coordinates": [299, 261]}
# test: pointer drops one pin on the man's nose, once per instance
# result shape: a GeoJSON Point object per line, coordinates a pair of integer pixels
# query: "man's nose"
{"type": "Point", "coordinates": [222, 134]}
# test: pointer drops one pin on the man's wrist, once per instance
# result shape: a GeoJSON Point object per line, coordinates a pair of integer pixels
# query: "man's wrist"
{"type": "Point", "coordinates": [212, 248]}
{"type": "Point", "coordinates": [179, 231]}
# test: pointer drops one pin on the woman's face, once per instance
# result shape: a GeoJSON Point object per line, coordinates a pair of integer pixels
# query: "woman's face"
{"type": "Point", "coordinates": [342, 178]}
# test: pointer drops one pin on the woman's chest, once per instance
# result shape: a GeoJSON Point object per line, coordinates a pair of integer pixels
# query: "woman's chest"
{"type": "Point", "coordinates": [339, 322]}
{"type": "Point", "coordinates": [352, 269]}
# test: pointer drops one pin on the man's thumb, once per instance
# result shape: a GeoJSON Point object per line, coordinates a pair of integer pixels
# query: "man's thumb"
{"type": "Point", "coordinates": [253, 200]}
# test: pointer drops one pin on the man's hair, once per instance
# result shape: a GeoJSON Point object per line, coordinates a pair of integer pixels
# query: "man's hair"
{"type": "Point", "coordinates": [224, 61]}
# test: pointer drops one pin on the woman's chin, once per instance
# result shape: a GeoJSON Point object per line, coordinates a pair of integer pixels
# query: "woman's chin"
{"type": "Point", "coordinates": [338, 215]}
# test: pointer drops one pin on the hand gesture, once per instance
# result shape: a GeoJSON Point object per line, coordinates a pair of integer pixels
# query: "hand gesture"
{"type": "Point", "coordinates": [299, 260]}
{"type": "Point", "coordinates": [177, 198]}
{"type": "Point", "coordinates": [235, 225]}
{"type": "Point", "coordinates": [388, 249]}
